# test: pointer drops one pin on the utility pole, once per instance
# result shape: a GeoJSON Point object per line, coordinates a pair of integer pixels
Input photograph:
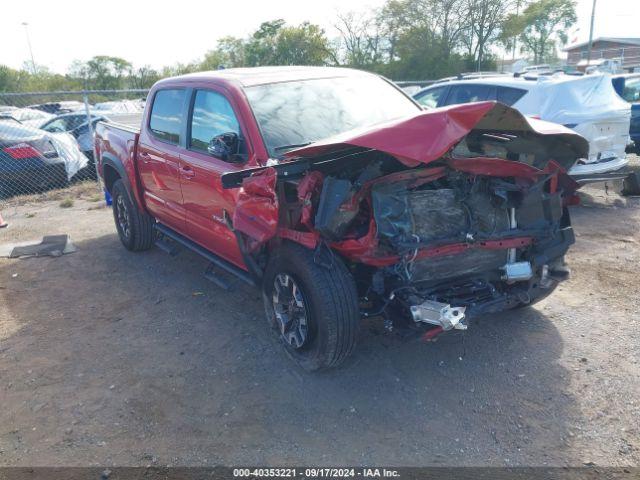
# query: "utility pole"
{"type": "Point", "coordinates": [593, 16]}
{"type": "Point", "coordinates": [33, 62]}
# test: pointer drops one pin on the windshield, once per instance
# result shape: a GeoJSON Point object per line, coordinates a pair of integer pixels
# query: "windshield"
{"type": "Point", "coordinates": [292, 114]}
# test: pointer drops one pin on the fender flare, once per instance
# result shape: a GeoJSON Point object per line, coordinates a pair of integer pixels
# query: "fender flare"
{"type": "Point", "coordinates": [115, 163]}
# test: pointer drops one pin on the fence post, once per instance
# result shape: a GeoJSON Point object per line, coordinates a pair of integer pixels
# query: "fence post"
{"type": "Point", "coordinates": [85, 97]}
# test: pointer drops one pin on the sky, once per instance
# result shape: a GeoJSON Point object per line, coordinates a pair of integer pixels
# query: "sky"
{"type": "Point", "coordinates": [159, 33]}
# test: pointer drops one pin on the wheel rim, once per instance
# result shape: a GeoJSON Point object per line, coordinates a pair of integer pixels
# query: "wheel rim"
{"type": "Point", "coordinates": [290, 311]}
{"type": "Point", "coordinates": [123, 216]}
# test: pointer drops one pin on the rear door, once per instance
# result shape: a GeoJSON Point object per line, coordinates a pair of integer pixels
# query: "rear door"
{"type": "Point", "coordinates": [159, 157]}
{"type": "Point", "coordinates": [207, 205]}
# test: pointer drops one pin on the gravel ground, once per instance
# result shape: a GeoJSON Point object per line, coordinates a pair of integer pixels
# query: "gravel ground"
{"type": "Point", "coordinates": [114, 358]}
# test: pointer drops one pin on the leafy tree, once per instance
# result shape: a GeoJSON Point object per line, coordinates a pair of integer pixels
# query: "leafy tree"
{"type": "Point", "coordinates": [102, 72]}
{"type": "Point", "coordinates": [305, 44]}
{"type": "Point", "coordinates": [229, 53]}
{"type": "Point", "coordinates": [261, 47]}
{"type": "Point", "coordinates": [275, 43]}
{"type": "Point", "coordinates": [8, 79]}
{"type": "Point", "coordinates": [541, 25]}
{"type": "Point", "coordinates": [143, 77]}
{"type": "Point", "coordinates": [361, 40]}
{"type": "Point", "coordinates": [484, 20]}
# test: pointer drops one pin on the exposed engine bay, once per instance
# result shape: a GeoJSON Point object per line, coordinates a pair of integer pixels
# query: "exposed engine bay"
{"type": "Point", "coordinates": [432, 236]}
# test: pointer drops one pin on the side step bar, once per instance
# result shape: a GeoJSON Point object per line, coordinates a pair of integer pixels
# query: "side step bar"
{"type": "Point", "coordinates": [213, 258]}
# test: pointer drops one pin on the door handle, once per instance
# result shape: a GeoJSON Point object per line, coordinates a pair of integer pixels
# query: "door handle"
{"type": "Point", "coordinates": [145, 156]}
{"type": "Point", "coordinates": [187, 172]}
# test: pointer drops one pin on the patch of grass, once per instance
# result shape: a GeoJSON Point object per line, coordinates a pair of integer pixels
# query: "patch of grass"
{"type": "Point", "coordinates": [80, 190]}
{"type": "Point", "coordinates": [66, 203]}
{"type": "Point", "coordinates": [96, 198]}
{"type": "Point", "coordinates": [31, 214]}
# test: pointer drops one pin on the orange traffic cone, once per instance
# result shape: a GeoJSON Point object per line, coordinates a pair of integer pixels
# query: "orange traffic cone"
{"type": "Point", "coordinates": [2, 222]}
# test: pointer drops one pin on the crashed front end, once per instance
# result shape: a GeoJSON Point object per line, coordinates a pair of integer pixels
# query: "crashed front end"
{"type": "Point", "coordinates": [442, 216]}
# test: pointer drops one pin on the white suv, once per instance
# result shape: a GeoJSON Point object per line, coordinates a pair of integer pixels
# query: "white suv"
{"type": "Point", "coordinates": [588, 104]}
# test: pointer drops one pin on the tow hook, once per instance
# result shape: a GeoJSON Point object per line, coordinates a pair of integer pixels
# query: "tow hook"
{"type": "Point", "coordinates": [440, 314]}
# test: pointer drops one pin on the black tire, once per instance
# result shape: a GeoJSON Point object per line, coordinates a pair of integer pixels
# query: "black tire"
{"type": "Point", "coordinates": [631, 184]}
{"type": "Point", "coordinates": [330, 301]}
{"type": "Point", "coordinates": [135, 228]}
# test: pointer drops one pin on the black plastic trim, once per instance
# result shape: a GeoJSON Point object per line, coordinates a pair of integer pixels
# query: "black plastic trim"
{"type": "Point", "coordinates": [213, 258]}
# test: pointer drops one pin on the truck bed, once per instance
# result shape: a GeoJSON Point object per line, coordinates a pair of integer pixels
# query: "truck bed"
{"type": "Point", "coordinates": [126, 121]}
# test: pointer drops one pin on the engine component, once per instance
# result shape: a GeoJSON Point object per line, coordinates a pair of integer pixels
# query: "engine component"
{"type": "Point", "coordinates": [332, 220]}
{"type": "Point", "coordinates": [517, 271]}
{"type": "Point", "coordinates": [440, 314]}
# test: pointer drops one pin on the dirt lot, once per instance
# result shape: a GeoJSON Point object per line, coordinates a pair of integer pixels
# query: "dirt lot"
{"type": "Point", "coordinates": [109, 357]}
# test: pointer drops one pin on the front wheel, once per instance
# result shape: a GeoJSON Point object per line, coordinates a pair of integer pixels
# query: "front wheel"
{"type": "Point", "coordinates": [313, 308]}
{"type": "Point", "coordinates": [135, 228]}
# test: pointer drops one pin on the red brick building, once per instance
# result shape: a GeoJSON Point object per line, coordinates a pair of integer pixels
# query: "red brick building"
{"type": "Point", "coordinates": [625, 49]}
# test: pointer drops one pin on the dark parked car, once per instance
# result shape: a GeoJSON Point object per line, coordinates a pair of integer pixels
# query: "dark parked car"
{"type": "Point", "coordinates": [29, 162]}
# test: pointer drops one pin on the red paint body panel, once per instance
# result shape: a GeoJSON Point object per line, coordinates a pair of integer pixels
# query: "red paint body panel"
{"type": "Point", "coordinates": [256, 213]}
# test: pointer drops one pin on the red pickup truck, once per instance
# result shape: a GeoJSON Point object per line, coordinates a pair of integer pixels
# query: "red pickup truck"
{"type": "Point", "coordinates": [341, 198]}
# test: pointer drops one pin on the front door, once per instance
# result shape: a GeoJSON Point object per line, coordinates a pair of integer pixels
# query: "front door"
{"type": "Point", "coordinates": [159, 158]}
{"type": "Point", "coordinates": [207, 205]}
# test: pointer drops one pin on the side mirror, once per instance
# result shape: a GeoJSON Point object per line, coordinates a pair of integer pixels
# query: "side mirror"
{"type": "Point", "coordinates": [226, 147]}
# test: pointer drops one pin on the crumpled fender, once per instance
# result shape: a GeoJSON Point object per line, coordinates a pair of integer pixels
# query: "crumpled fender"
{"type": "Point", "coordinates": [256, 212]}
{"type": "Point", "coordinates": [428, 135]}
{"type": "Point", "coordinates": [309, 186]}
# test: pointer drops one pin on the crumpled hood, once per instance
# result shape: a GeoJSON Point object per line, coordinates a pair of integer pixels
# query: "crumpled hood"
{"type": "Point", "coordinates": [428, 135]}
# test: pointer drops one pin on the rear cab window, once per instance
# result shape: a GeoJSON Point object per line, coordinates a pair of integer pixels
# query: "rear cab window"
{"type": "Point", "coordinates": [165, 122]}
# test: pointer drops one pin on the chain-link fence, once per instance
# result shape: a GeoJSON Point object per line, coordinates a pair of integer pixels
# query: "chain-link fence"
{"type": "Point", "coordinates": [46, 138]}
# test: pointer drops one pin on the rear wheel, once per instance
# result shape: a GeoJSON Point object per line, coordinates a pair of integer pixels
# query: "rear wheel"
{"type": "Point", "coordinates": [135, 228]}
{"type": "Point", "coordinates": [313, 308]}
{"type": "Point", "coordinates": [631, 184]}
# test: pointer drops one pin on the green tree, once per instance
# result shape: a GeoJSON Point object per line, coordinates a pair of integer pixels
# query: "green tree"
{"type": "Point", "coordinates": [103, 72]}
{"type": "Point", "coordinates": [229, 53]}
{"type": "Point", "coordinates": [361, 40]}
{"type": "Point", "coordinates": [261, 47]}
{"type": "Point", "coordinates": [275, 43]}
{"type": "Point", "coordinates": [143, 77]}
{"type": "Point", "coordinates": [305, 44]}
{"type": "Point", "coordinates": [484, 19]}
{"type": "Point", "coordinates": [541, 26]}
{"type": "Point", "coordinates": [8, 79]}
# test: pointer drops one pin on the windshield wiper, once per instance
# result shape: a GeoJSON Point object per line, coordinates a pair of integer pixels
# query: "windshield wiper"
{"type": "Point", "coordinates": [295, 145]}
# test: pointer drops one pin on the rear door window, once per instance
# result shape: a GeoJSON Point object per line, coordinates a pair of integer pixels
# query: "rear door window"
{"type": "Point", "coordinates": [431, 98]}
{"type": "Point", "coordinates": [509, 95]}
{"type": "Point", "coordinates": [166, 115]}
{"type": "Point", "coordinates": [467, 93]}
